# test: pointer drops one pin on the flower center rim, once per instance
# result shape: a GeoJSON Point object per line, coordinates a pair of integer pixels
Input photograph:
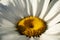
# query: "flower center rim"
{"type": "Point", "coordinates": [28, 26]}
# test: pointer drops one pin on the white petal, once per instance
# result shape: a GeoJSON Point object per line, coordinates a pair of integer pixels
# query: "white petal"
{"type": "Point", "coordinates": [54, 11]}
{"type": "Point", "coordinates": [5, 2]}
{"type": "Point", "coordinates": [50, 37]}
{"type": "Point", "coordinates": [5, 30]}
{"type": "Point", "coordinates": [29, 7]}
{"type": "Point", "coordinates": [13, 37]}
{"type": "Point", "coordinates": [44, 8]}
{"type": "Point", "coordinates": [37, 38]}
{"type": "Point", "coordinates": [6, 26]}
{"type": "Point", "coordinates": [55, 29]}
{"type": "Point", "coordinates": [56, 20]}
{"type": "Point", "coordinates": [6, 23]}
{"type": "Point", "coordinates": [31, 38]}
{"type": "Point", "coordinates": [39, 7]}
{"type": "Point", "coordinates": [34, 6]}
{"type": "Point", "coordinates": [51, 4]}
{"type": "Point", "coordinates": [17, 7]}
{"type": "Point", "coordinates": [8, 14]}
{"type": "Point", "coordinates": [21, 7]}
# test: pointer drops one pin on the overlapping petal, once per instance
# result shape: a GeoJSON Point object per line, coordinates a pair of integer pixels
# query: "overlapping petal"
{"type": "Point", "coordinates": [49, 37]}
{"type": "Point", "coordinates": [13, 37]}
{"type": "Point", "coordinates": [53, 12]}
{"type": "Point", "coordinates": [54, 30]}
{"type": "Point", "coordinates": [14, 10]}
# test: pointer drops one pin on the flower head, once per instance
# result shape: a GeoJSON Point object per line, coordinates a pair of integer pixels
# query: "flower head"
{"type": "Point", "coordinates": [32, 18]}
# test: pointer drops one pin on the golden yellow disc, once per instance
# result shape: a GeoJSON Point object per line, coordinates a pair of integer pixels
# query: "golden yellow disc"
{"type": "Point", "coordinates": [31, 26]}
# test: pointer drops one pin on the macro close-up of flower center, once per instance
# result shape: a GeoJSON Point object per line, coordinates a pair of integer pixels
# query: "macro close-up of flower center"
{"type": "Point", "coordinates": [29, 19]}
{"type": "Point", "coordinates": [31, 26]}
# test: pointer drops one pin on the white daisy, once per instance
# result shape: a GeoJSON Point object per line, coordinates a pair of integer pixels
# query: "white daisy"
{"type": "Point", "coordinates": [12, 11]}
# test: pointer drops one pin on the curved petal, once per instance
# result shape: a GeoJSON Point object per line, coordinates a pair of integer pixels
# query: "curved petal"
{"type": "Point", "coordinates": [56, 20]}
{"type": "Point", "coordinates": [18, 7]}
{"type": "Point", "coordinates": [34, 6]}
{"type": "Point", "coordinates": [53, 12]}
{"type": "Point", "coordinates": [5, 29]}
{"type": "Point", "coordinates": [6, 26]}
{"type": "Point", "coordinates": [53, 30]}
{"type": "Point", "coordinates": [13, 37]}
{"type": "Point", "coordinates": [29, 7]}
{"type": "Point", "coordinates": [4, 2]}
{"type": "Point", "coordinates": [45, 6]}
{"type": "Point", "coordinates": [6, 23]}
{"type": "Point", "coordinates": [49, 37]}
{"type": "Point", "coordinates": [51, 4]}
{"type": "Point", "coordinates": [8, 14]}
{"type": "Point", "coordinates": [39, 7]}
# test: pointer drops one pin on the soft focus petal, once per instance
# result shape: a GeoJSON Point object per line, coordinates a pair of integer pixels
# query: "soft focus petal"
{"type": "Point", "coordinates": [5, 2]}
{"type": "Point", "coordinates": [29, 7]}
{"type": "Point", "coordinates": [31, 38]}
{"type": "Point", "coordinates": [13, 37]}
{"type": "Point", "coordinates": [5, 30]}
{"type": "Point", "coordinates": [8, 14]}
{"type": "Point", "coordinates": [37, 38]}
{"type": "Point", "coordinates": [18, 7]}
{"type": "Point", "coordinates": [56, 20]}
{"type": "Point", "coordinates": [51, 4]}
{"type": "Point", "coordinates": [39, 7]}
{"type": "Point", "coordinates": [53, 12]}
{"type": "Point", "coordinates": [49, 37]}
{"type": "Point", "coordinates": [6, 26]}
{"type": "Point", "coordinates": [34, 6]}
{"type": "Point", "coordinates": [55, 29]}
{"type": "Point", "coordinates": [4, 22]}
{"type": "Point", "coordinates": [45, 6]}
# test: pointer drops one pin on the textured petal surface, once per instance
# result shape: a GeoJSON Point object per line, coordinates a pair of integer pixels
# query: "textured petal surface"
{"type": "Point", "coordinates": [49, 37]}
{"type": "Point", "coordinates": [39, 7]}
{"type": "Point", "coordinates": [56, 20]}
{"type": "Point", "coordinates": [8, 14]}
{"type": "Point", "coordinates": [20, 8]}
{"type": "Point", "coordinates": [34, 6]}
{"type": "Point", "coordinates": [55, 29]}
{"type": "Point", "coordinates": [13, 10]}
{"type": "Point", "coordinates": [6, 27]}
{"type": "Point", "coordinates": [51, 4]}
{"type": "Point", "coordinates": [4, 22]}
{"type": "Point", "coordinates": [17, 7]}
{"type": "Point", "coordinates": [29, 7]}
{"type": "Point", "coordinates": [13, 37]}
{"type": "Point", "coordinates": [53, 12]}
{"type": "Point", "coordinates": [45, 6]}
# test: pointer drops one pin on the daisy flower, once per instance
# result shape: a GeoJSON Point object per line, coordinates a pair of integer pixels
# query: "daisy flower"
{"type": "Point", "coordinates": [29, 19]}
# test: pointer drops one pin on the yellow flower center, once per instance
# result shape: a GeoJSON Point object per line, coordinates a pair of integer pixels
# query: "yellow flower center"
{"type": "Point", "coordinates": [31, 26]}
